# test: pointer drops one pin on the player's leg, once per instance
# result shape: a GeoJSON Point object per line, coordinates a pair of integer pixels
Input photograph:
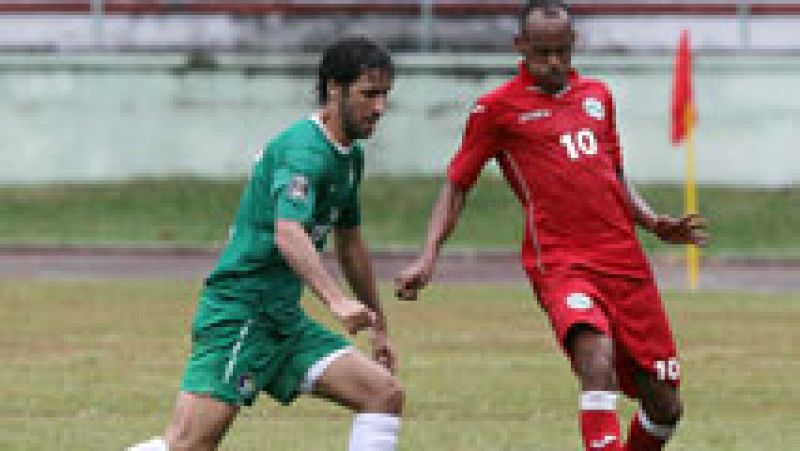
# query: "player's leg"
{"type": "Point", "coordinates": [198, 423]}
{"type": "Point", "coordinates": [575, 307]}
{"type": "Point", "coordinates": [374, 394]}
{"type": "Point", "coordinates": [647, 366]}
{"type": "Point", "coordinates": [660, 410]}
{"type": "Point", "coordinates": [592, 354]}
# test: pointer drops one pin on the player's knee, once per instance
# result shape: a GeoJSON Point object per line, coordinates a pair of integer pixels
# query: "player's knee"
{"type": "Point", "coordinates": [669, 412]}
{"type": "Point", "coordinates": [388, 396]}
{"type": "Point", "coordinates": [181, 435]}
{"type": "Point", "coordinates": [665, 410]}
{"type": "Point", "coordinates": [593, 358]}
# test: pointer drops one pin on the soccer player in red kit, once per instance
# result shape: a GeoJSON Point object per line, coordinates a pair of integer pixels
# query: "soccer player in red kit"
{"type": "Point", "coordinates": [554, 137]}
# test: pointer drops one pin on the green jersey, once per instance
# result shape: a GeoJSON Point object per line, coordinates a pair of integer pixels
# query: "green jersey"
{"type": "Point", "coordinates": [300, 176]}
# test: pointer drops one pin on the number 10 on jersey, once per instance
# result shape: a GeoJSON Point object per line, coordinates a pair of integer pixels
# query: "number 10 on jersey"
{"type": "Point", "coordinates": [582, 142]}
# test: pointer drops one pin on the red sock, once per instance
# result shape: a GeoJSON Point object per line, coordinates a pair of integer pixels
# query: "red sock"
{"type": "Point", "coordinates": [644, 435]}
{"type": "Point", "coordinates": [599, 421]}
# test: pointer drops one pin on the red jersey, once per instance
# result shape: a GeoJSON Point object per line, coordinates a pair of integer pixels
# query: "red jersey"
{"type": "Point", "coordinates": [561, 155]}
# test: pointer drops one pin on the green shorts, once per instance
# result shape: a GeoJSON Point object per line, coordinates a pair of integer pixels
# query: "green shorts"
{"type": "Point", "coordinates": [234, 357]}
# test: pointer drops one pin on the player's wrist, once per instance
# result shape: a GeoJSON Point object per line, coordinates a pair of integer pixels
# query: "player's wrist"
{"type": "Point", "coordinates": [335, 303]}
{"type": "Point", "coordinates": [380, 327]}
{"type": "Point", "coordinates": [654, 222]}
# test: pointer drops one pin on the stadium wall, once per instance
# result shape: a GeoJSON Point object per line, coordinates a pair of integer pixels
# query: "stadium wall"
{"type": "Point", "coordinates": [101, 117]}
{"type": "Point", "coordinates": [46, 25]}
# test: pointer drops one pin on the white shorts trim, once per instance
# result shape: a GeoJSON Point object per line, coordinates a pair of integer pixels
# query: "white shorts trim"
{"type": "Point", "coordinates": [319, 367]}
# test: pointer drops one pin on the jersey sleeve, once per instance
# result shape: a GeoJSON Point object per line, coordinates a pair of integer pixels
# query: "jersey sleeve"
{"type": "Point", "coordinates": [614, 146]}
{"type": "Point", "coordinates": [351, 213]}
{"type": "Point", "coordinates": [478, 145]}
{"type": "Point", "coordinates": [297, 174]}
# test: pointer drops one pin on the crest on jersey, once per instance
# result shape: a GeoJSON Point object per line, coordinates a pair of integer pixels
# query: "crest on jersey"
{"type": "Point", "coordinates": [298, 187]}
{"type": "Point", "coordinates": [246, 386]}
{"type": "Point", "coordinates": [579, 301]}
{"type": "Point", "coordinates": [594, 108]}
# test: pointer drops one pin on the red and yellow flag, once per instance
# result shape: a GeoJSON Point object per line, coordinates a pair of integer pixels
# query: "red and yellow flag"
{"type": "Point", "coordinates": [683, 120]}
{"type": "Point", "coordinates": [683, 112]}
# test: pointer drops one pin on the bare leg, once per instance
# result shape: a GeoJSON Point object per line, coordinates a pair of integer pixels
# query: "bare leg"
{"type": "Point", "coordinates": [660, 400]}
{"type": "Point", "coordinates": [199, 422]}
{"type": "Point", "coordinates": [372, 392]}
{"type": "Point", "coordinates": [360, 384]}
{"type": "Point", "coordinates": [593, 360]}
{"type": "Point", "coordinates": [659, 412]}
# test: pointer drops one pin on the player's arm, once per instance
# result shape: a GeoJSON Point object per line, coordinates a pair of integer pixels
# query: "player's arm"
{"type": "Point", "coordinates": [479, 144]}
{"type": "Point", "coordinates": [353, 256]}
{"type": "Point", "coordinates": [444, 218]}
{"type": "Point", "coordinates": [688, 229]}
{"type": "Point", "coordinates": [300, 254]}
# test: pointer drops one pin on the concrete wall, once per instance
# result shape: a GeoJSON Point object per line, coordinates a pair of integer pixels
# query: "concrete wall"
{"type": "Point", "coordinates": [101, 117]}
{"type": "Point", "coordinates": [291, 33]}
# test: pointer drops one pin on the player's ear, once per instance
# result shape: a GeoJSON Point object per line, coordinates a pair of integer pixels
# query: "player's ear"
{"type": "Point", "coordinates": [334, 90]}
{"type": "Point", "coordinates": [520, 43]}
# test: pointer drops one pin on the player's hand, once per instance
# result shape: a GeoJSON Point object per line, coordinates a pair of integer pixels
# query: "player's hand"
{"type": "Point", "coordinates": [382, 351]}
{"type": "Point", "coordinates": [353, 315]}
{"type": "Point", "coordinates": [413, 278]}
{"type": "Point", "coordinates": [689, 229]}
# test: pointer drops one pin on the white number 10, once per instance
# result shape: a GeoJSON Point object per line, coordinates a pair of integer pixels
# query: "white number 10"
{"type": "Point", "coordinates": [584, 142]}
{"type": "Point", "coordinates": [667, 369]}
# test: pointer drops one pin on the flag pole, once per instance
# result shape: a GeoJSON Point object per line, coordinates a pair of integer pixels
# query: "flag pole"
{"type": "Point", "coordinates": [690, 201]}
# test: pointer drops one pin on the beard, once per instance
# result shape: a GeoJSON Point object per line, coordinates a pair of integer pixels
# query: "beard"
{"type": "Point", "coordinates": [350, 124]}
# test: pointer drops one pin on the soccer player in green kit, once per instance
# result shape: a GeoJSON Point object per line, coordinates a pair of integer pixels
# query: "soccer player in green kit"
{"type": "Point", "coordinates": [250, 333]}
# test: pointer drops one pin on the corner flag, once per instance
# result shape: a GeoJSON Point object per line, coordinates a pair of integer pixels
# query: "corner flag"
{"type": "Point", "coordinates": [682, 99]}
{"type": "Point", "coordinates": [683, 120]}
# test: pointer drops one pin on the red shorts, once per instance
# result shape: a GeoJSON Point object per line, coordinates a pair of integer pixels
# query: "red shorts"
{"type": "Point", "coordinates": [627, 310]}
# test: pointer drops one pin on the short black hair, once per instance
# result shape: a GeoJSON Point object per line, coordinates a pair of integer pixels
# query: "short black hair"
{"type": "Point", "coordinates": [550, 8]}
{"type": "Point", "coordinates": [346, 59]}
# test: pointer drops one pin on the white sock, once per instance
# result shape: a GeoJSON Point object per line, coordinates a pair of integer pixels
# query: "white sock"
{"type": "Point", "coordinates": [154, 444]}
{"type": "Point", "coordinates": [374, 432]}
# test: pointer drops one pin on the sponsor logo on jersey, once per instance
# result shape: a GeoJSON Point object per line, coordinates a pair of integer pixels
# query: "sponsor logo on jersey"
{"type": "Point", "coordinates": [603, 442]}
{"type": "Point", "coordinates": [579, 301]}
{"type": "Point", "coordinates": [298, 187]}
{"type": "Point", "coordinates": [246, 386]}
{"type": "Point", "coordinates": [594, 108]}
{"type": "Point", "coordinates": [533, 115]}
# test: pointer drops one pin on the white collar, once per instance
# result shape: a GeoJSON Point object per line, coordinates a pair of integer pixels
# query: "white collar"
{"type": "Point", "coordinates": [317, 119]}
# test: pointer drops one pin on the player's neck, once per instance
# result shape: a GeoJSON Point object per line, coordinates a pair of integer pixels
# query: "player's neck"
{"type": "Point", "coordinates": [333, 127]}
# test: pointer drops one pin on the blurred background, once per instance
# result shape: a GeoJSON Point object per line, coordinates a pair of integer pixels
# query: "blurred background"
{"type": "Point", "coordinates": [100, 99]}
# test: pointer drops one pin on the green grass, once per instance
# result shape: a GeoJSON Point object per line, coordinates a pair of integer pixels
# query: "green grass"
{"type": "Point", "coordinates": [95, 366]}
{"type": "Point", "coordinates": [395, 213]}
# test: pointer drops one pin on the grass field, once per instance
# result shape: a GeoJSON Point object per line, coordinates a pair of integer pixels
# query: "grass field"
{"type": "Point", "coordinates": [395, 213]}
{"type": "Point", "coordinates": [95, 366]}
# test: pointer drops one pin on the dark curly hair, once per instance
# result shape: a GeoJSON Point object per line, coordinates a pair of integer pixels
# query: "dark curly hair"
{"type": "Point", "coordinates": [549, 7]}
{"type": "Point", "coordinates": [346, 59]}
